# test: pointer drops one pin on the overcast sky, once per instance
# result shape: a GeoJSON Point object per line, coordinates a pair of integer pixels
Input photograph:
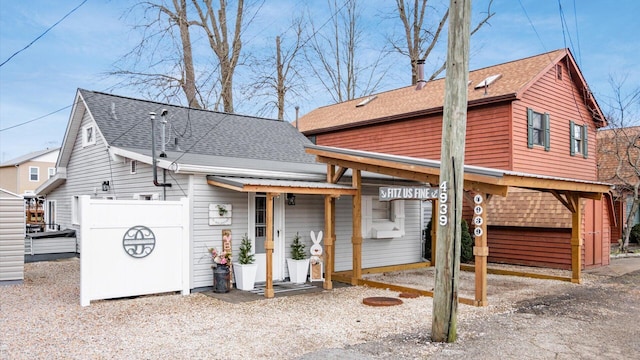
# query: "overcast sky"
{"type": "Point", "coordinates": [41, 81]}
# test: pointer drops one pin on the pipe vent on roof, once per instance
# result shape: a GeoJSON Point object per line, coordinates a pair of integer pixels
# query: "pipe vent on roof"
{"type": "Point", "coordinates": [421, 82]}
{"type": "Point", "coordinates": [366, 101]}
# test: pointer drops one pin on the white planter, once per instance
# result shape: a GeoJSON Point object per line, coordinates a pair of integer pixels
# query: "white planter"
{"type": "Point", "coordinates": [245, 275]}
{"type": "Point", "coordinates": [298, 270]}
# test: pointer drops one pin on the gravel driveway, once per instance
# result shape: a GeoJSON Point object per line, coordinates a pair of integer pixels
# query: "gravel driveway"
{"type": "Point", "coordinates": [529, 318]}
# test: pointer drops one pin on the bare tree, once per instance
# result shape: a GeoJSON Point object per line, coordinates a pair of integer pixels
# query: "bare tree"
{"type": "Point", "coordinates": [421, 38]}
{"type": "Point", "coordinates": [280, 75]}
{"type": "Point", "coordinates": [334, 54]}
{"type": "Point", "coordinates": [163, 61]}
{"type": "Point", "coordinates": [619, 152]}
{"type": "Point", "coordinates": [218, 35]}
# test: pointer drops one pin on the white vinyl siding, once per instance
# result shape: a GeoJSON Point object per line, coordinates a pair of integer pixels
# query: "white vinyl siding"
{"type": "Point", "coordinates": [12, 232]}
{"type": "Point", "coordinates": [90, 166]}
{"type": "Point", "coordinates": [205, 236]}
{"type": "Point", "coordinates": [378, 252]}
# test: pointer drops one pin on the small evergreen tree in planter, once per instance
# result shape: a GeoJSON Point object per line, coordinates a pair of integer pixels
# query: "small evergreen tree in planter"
{"type": "Point", "coordinates": [245, 269]}
{"type": "Point", "coordinates": [298, 265]}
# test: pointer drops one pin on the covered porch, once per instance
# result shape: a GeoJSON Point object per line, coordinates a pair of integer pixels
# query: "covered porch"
{"type": "Point", "coordinates": [480, 184]}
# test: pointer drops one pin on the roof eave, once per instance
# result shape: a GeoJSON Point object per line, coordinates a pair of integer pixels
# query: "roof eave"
{"type": "Point", "coordinates": [409, 115]}
{"type": "Point", "coordinates": [52, 183]}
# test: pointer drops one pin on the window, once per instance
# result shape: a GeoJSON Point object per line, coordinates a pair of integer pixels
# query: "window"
{"type": "Point", "coordinates": [88, 135]}
{"type": "Point", "coordinates": [579, 143]}
{"type": "Point", "coordinates": [52, 171]}
{"type": "Point", "coordinates": [382, 219]}
{"type": "Point", "coordinates": [34, 173]}
{"type": "Point", "coordinates": [538, 132]}
{"type": "Point", "coordinates": [134, 167]}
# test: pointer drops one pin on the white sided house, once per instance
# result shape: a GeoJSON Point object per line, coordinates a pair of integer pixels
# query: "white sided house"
{"type": "Point", "coordinates": [229, 168]}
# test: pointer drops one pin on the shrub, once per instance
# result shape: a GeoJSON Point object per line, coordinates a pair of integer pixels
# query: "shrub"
{"type": "Point", "coordinates": [634, 236]}
{"type": "Point", "coordinates": [466, 243]}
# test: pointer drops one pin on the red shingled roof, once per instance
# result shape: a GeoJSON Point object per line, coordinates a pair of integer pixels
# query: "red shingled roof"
{"type": "Point", "coordinates": [516, 77]}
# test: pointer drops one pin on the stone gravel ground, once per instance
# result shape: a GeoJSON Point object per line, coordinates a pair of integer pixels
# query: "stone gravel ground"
{"type": "Point", "coordinates": [42, 319]}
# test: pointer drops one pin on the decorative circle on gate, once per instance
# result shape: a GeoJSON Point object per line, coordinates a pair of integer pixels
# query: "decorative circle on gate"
{"type": "Point", "coordinates": [139, 241]}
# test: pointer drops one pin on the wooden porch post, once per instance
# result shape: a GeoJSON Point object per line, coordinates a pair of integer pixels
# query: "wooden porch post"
{"type": "Point", "coordinates": [329, 208]}
{"type": "Point", "coordinates": [576, 240]}
{"type": "Point", "coordinates": [356, 237]}
{"type": "Point", "coordinates": [333, 233]}
{"type": "Point", "coordinates": [268, 246]}
{"type": "Point", "coordinates": [481, 250]}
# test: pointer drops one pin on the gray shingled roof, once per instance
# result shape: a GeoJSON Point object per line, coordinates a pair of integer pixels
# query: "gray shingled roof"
{"type": "Point", "coordinates": [125, 123]}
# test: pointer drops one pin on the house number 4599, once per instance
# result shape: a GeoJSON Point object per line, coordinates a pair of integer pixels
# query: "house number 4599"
{"type": "Point", "coordinates": [443, 208]}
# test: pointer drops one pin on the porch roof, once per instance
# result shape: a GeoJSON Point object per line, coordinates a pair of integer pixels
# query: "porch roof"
{"type": "Point", "coordinates": [476, 178]}
{"type": "Point", "coordinates": [280, 186]}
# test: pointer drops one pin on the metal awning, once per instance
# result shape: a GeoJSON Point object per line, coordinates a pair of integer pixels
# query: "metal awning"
{"type": "Point", "coordinates": [279, 186]}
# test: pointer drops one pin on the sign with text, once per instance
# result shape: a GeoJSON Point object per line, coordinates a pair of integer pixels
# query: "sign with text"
{"type": "Point", "coordinates": [407, 192]}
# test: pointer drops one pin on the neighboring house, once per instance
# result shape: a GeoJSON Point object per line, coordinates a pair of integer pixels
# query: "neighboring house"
{"type": "Point", "coordinates": [217, 159]}
{"type": "Point", "coordinates": [24, 174]}
{"type": "Point", "coordinates": [618, 149]}
{"type": "Point", "coordinates": [534, 115]}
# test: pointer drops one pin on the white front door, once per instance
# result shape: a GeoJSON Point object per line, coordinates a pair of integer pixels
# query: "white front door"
{"type": "Point", "coordinates": [258, 227]}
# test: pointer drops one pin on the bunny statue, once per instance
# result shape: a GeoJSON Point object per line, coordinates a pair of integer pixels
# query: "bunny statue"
{"type": "Point", "coordinates": [316, 266]}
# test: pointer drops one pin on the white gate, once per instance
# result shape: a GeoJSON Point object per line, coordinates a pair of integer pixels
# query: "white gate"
{"type": "Point", "coordinates": [133, 247]}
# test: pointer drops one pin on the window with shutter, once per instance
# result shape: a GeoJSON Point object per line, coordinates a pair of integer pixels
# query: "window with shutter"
{"type": "Point", "coordinates": [538, 129]}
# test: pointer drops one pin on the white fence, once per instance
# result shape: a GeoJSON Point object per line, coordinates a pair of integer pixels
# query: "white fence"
{"type": "Point", "coordinates": [133, 247]}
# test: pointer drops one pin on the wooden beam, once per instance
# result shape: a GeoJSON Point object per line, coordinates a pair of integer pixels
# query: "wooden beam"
{"type": "Point", "coordinates": [328, 242]}
{"type": "Point", "coordinates": [529, 182]}
{"type": "Point", "coordinates": [356, 238]}
{"type": "Point", "coordinates": [471, 268]}
{"type": "Point", "coordinates": [576, 239]}
{"type": "Point", "coordinates": [563, 200]}
{"type": "Point", "coordinates": [268, 246]}
{"type": "Point", "coordinates": [285, 189]}
{"type": "Point", "coordinates": [480, 250]}
{"type": "Point", "coordinates": [338, 175]}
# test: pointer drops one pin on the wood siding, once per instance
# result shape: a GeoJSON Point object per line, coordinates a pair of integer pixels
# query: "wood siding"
{"type": "Point", "coordinates": [563, 101]}
{"type": "Point", "coordinates": [12, 232]}
{"type": "Point", "coordinates": [487, 140]}
{"type": "Point", "coordinates": [530, 246]}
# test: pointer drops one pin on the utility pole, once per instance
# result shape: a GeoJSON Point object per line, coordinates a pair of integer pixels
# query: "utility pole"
{"type": "Point", "coordinates": [454, 128]}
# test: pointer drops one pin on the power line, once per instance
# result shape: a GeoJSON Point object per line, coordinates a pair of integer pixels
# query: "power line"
{"type": "Point", "coordinates": [38, 118]}
{"type": "Point", "coordinates": [532, 26]}
{"type": "Point", "coordinates": [335, 13]}
{"type": "Point", "coordinates": [41, 35]}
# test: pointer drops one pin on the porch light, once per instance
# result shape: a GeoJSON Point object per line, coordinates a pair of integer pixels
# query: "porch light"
{"type": "Point", "coordinates": [105, 185]}
{"type": "Point", "coordinates": [291, 199]}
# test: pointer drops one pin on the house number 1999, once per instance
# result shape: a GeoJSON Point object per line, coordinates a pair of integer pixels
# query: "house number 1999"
{"type": "Point", "coordinates": [443, 209]}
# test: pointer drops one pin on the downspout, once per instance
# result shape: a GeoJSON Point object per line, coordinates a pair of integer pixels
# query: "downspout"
{"type": "Point", "coordinates": [153, 150]}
